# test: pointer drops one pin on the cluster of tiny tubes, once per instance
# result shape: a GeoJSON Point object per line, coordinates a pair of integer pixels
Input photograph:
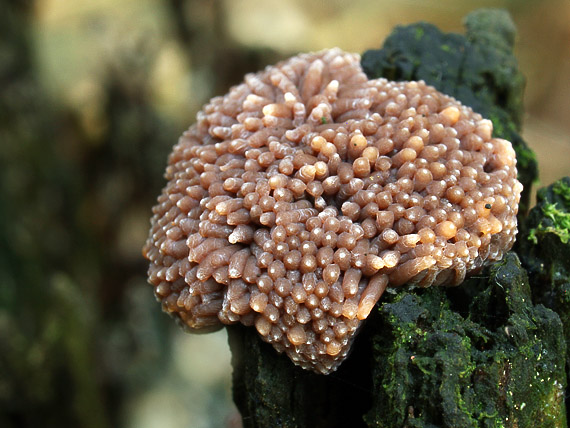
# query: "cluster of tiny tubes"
{"type": "Point", "coordinates": [303, 193]}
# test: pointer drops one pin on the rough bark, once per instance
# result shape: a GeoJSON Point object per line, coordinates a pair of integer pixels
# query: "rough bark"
{"type": "Point", "coordinates": [544, 246]}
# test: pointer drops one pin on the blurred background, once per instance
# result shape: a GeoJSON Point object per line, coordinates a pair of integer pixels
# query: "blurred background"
{"type": "Point", "coordinates": [93, 94]}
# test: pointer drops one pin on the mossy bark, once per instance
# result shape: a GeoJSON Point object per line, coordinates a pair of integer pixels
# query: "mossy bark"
{"type": "Point", "coordinates": [480, 355]}
{"type": "Point", "coordinates": [544, 245]}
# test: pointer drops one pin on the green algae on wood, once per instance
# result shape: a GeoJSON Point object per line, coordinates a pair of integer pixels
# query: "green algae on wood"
{"type": "Point", "coordinates": [493, 363]}
{"type": "Point", "coordinates": [552, 214]}
{"type": "Point", "coordinates": [545, 251]}
{"type": "Point", "coordinates": [543, 243]}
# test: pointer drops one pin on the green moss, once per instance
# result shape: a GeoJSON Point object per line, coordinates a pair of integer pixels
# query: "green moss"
{"type": "Point", "coordinates": [551, 216]}
{"type": "Point", "coordinates": [419, 33]}
{"type": "Point", "coordinates": [561, 224]}
{"type": "Point", "coordinates": [495, 364]}
{"type": "Point", "coordinates": [562, 189]}
{"type": "Point", "coordinates": [545, 250]}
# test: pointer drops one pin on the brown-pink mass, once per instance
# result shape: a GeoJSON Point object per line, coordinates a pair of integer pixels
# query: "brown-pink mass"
{"type": "Point", "coordinates": [299, 196]}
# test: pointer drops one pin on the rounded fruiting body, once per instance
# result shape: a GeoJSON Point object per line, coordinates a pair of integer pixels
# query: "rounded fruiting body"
{"type": "Point", "coordinates": [303, 193]}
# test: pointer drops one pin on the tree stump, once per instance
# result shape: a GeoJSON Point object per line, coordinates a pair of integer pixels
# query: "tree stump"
{"type": "Point", "coordinates": [482, 354]}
